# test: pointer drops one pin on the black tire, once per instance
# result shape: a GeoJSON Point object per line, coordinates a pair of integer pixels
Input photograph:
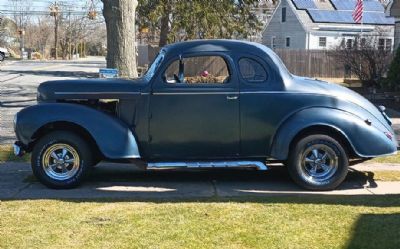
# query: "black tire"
{"type": "Point", "coordinates": [309, 174]}
{"type": "Point", "coordinates": [75, 144]}
{"type": "Point", "coordinates": [2, 56]}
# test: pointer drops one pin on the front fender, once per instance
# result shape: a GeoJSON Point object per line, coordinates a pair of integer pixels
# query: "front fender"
{"type": "Point", "coordinates": [113, 137]}
{"type": "Point", "coordinates": [365, 140]}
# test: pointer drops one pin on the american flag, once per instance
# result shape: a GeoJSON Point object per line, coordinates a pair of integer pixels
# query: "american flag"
{"type": "Point", "coordinates": [358, 11]}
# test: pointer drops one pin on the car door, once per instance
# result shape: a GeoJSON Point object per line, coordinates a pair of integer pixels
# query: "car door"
{"type": "Point", "coordinates": [263, 104]}
{"type": "Point", "coordinates": [194, 109]}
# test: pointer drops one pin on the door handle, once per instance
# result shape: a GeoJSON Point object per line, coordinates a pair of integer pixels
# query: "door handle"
{"type": "Point", "coordinates": [232, 97]}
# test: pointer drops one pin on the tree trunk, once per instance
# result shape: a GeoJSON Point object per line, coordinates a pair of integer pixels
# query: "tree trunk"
{"type": "Point", "coordinates": [120, 22]}
{"type": "Point", "coordinates": [164, 30]}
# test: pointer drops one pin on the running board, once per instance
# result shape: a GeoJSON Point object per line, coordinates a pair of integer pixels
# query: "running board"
{"type": "Point", "coordinates": [219, 164]}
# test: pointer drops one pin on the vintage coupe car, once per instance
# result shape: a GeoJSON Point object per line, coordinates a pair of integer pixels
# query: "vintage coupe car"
{"type": "Point", "coordinates": [203, 104]}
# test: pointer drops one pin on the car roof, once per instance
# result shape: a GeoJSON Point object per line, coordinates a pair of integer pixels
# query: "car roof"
{"type": "Point", "coordinates": [217, 45]}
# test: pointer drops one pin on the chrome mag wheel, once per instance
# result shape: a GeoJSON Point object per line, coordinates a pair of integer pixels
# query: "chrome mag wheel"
{"type": "Point", "coordinates": [319, 163]}
{"type": "Point", "coordinates": [60, 162]}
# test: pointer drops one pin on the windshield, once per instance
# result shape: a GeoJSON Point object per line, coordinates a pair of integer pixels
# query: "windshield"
{"type": "Point", "coordinates": [154, 66]}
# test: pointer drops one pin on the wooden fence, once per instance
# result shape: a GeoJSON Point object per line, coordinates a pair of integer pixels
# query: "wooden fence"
{"type": "Point", "coordinates": [313, 63]}
{"type": "Point", "coordinates": [308, 63]}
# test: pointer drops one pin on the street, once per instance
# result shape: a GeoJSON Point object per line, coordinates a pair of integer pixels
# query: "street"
{"type": "Point", "coordinates": [19, 81]}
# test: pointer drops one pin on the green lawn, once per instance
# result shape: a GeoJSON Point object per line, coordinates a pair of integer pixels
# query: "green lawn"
{"type": "Point", "coordinates": [274, 222]}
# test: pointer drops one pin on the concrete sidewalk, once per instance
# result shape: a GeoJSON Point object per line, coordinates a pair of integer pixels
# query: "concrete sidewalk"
{"type": "Point", "coordinates": [123, 181]}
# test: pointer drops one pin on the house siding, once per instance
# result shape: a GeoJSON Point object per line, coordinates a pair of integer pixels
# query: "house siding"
{"type": "Point", "coordinates": [305, 34]}
{"type": "Point", "coordinates": [395, 12]}
{"type": "Point", "coordinates": [281, 30]}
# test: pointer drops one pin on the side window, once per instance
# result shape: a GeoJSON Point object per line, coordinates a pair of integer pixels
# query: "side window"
{"type": "Point", "coordinates": [252, 71]}
{"type": "Point", "coordinates": [198, 70]}
{"type": "Point", "coordinates": [283, 14]}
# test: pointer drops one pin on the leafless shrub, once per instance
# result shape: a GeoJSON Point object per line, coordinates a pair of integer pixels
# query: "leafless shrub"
{"type": "Point", "coordinates": [368, 57]}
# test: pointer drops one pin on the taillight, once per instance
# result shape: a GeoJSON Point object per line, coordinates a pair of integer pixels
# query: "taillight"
{"type": "Point", "coordinates": [389, 135]}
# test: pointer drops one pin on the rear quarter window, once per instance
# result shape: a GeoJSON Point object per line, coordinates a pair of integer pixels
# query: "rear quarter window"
{"type": "Point", "coordinates": [252, 71]}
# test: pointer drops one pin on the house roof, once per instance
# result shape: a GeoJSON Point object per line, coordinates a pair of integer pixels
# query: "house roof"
{"type": "Point", "coordinates": [340, 12]}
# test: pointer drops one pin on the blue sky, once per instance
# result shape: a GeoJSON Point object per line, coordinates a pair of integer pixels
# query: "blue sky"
{"type": "Point", "coordinates": [43, 4]}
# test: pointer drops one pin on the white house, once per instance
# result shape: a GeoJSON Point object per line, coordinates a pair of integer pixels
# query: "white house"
{"type": "Point", "coordinates": [325, 24]}
{"type": "Point", "coordinates": [394, 11]}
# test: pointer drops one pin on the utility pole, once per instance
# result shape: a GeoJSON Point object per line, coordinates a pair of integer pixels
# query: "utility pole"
{"type": "Point", "coordinates": [22, 42]}
{"type": "Point", "coordinates": [70, 35]}
{"type": "Point", "coordinates": [55, 12]}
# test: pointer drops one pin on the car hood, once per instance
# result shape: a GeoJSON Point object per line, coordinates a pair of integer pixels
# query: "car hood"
{"type": "Point", "coordinates": [325, 88]}
{"type": "Point", "coordinates": [89, 89]}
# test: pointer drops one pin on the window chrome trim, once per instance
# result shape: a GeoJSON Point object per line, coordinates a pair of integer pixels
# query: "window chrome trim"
{"type": "Point", "coordinates": [95, 93]}
{"type": "Point", "coordinates": [194, 93]}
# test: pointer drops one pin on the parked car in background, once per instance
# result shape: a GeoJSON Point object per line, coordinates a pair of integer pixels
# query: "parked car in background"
{"type": "Point", "coordinates": [203, 104]}
{"type": "Point", "coordinates": [4, 53]}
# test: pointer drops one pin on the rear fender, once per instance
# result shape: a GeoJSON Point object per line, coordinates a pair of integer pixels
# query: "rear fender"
{"type": "Point", "coordinates": [113, 137]}
{"type": "Point", "coordinates": [365, 140]}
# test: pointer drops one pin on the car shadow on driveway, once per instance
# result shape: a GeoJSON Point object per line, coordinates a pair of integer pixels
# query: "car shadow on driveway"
{"type": "Point", "coordinates": [123, 182]}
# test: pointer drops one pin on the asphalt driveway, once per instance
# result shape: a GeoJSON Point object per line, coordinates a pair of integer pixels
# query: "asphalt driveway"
{"type": "Point", "coordinates": [124, 181]}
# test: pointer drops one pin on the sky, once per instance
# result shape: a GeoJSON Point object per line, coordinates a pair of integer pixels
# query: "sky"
{"type": "Point", "coordinates": [43, 5]}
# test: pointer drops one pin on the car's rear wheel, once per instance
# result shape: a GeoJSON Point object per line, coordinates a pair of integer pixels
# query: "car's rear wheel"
{"type": "Point", "coordinates": [318, 162]}
{"type": "Point", "coordinates": [2, 56]}
{"type": "Point", "coordinates": [61, 160]}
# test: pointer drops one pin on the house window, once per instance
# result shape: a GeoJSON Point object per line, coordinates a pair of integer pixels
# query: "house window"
{"type": "Point", "coordinates": [349, 43]}
{"type": "Point", "coordinates": [381, 44]}
{"type": "Point", "coordinates": [283, 14]}
{"type": "Point", "coordinates": [287, 42]}
{"type": "Point", "coordinates": [363, 42]}
{"type": "Point", "coordinates": [198, 70]}
{"type": "Point", "coordinates": [273, 42]}
{"type": "Point", "coordinates": [388, 45]}
{"type": "Point", "coordinates": [322, 42]}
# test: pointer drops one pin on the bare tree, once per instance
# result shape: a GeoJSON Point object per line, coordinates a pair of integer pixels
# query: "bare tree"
{"type": "Point", "coordinates": [20, 9]}
{"type": "Point", "coordinates": [120, 22]}
{"type": "Point", "coordinates": [39, 34]}
{"type": "Point", "coordinates": [367, 57]}
{"type": "Point", "coordinates": [8, 28]}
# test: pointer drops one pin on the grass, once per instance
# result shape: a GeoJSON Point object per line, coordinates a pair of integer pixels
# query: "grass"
{"type": "Point", "coordinates": [275, 222]}
{"type": "Point", "coordinates": [7, 155]}
{"type": "Point", "coordinates": [386, 175]}
{"type": "Point", "coordinates": [387, 159]}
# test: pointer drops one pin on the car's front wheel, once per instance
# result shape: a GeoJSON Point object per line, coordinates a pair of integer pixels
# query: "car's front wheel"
{"type": "Point", "coordinates": [318, 162]}
{"type": "Point", "coordinates": [61, 160]}
{"type": "Point", "coordinates": [2, 56]}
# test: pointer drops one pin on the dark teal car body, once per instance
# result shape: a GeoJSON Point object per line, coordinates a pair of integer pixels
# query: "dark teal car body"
{"type": "Point", "coordinates": [151, 120]}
